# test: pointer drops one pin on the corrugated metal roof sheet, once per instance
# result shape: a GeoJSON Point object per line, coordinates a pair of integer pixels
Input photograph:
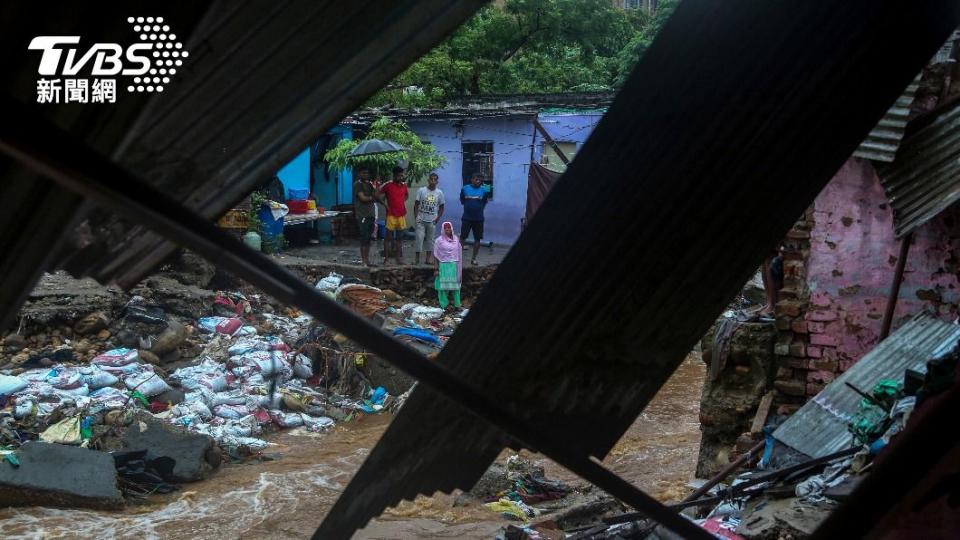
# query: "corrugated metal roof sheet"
{"type": "Point", "coordinates": [925, 178]}
{"type": "Point", "coordinates": [884, 139]}
{"type": "Point", "coordinates": [820, 427]}
{"type": "Point", "coordinates": [492, 106]}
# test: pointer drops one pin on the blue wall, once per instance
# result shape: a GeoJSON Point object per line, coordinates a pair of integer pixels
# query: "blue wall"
{"type": "Point", "coordinates": [512, 139]}
{"type": "Point", "coordinates": [329, 189]}
{"type": "Point", "coordinates": [296, 174]}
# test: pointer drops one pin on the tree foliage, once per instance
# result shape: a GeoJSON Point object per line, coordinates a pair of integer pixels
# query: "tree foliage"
{"type": "Point", "coordinates": [637, 46]}
{"type": "Point", "coordinates": [527, 46]}
{"type": "Point", "coordinates": [419, 158]}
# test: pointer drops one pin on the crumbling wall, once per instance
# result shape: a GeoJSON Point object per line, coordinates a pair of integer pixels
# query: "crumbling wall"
{"type": "Point", "coordinates": [730, 399]}
{"type": "Point", "coordinates": [839, 266]}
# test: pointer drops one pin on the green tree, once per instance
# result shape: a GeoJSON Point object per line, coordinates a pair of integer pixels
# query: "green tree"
{"type": "Point", "coordinates": [528, 46]}
{"type": "Point", "coordinates": [649, 27]}
{"type": "Point", "coordinates": [419, 158]}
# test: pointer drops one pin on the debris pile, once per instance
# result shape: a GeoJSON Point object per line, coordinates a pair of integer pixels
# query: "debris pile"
{"type": "Point", "coordinates": [167, 396]}
{"type": "Point", "coordinates": [804, 465]}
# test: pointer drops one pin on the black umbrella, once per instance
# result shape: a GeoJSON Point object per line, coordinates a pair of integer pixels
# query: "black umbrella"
{"type": "Point", "coordinates": [376, 146]}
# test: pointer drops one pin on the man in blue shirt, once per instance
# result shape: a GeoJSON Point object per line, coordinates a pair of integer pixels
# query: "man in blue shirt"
{"type": "Point", "coordinates": [474, 199]}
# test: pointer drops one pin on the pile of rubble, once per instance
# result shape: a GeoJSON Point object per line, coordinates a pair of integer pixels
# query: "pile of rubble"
{"type": "Point", "coordinates": [802, 466]}
{"type": "Point", "coordinates": [167, 396]}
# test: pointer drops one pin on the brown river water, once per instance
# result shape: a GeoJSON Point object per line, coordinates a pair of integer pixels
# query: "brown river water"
{"type": "Point", "coordinates": [288, 496]}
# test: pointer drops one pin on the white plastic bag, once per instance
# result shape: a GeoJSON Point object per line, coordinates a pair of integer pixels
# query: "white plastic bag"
{"type": "Point", "coordinates": [302, 367]}
{"type": "Point", "coordinates": [116, 357]}
{"type": "Point", "coordinates": [286, 420]}
{"type": "Point", "coordinates": [96, 378]}
{"type": "Point", "coordinates": [330, 283]}
{"type": "Point", "coordinates": [316, 423]}
{"type": "Point", "coordinates": [147, 383]}
{"type": "Point", "coordinates": [426, 312]}
{"type": "Point", "coordinates": [10, 384]}
{"type": "Point", "coordinates": [64, 378]}
{"type": "Point", "coordinates": [25, 406]}
{"type": "Point", "coordinates": [231, 412]}
{"type": "Point", "coordinates": [231, 397]}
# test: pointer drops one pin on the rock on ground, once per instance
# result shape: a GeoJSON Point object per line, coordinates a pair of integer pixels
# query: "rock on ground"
{"type": "Point", "coordinates": [384, 374]}
{"type": "Point", "coordinates": [174, 297]}
{"type": "Point", "coordinates": [60, 298]}
{"type": "Point", "coordinates": [196, 455]}
{"type": "Point", "coordinates": [191, 269]}
{"type": "Point", "coordinates": [58, 475]}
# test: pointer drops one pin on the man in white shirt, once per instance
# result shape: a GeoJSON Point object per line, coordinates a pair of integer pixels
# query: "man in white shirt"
{"type": "Point", "coordinates": [427, 211]}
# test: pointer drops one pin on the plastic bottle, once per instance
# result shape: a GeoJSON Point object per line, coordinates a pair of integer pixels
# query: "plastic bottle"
{"type": "Point", "coordinates": [252, 240]}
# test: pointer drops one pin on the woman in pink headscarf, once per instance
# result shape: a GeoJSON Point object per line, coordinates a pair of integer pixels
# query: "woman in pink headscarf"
{"type": "Point", "coordinates": [448, 265]}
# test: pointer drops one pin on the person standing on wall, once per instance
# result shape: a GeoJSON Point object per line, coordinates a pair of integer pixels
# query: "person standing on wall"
{"type": "Point", "coordinates": [474, 199]}
{"type": "Point", "coordinates": [364, 196]}
{"type": "Point", "coordinates": [395, 196]}
{"type": "Point", "coordinates": [448, 268]}
{"type": "Point", "coordinates": [427, 211]}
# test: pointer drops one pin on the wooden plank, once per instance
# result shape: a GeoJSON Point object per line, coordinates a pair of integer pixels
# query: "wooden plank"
{"type": "Point", "coordinates": [763, 410]}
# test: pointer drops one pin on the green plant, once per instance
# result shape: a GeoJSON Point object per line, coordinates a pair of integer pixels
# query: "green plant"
{"type": "Point", "coordinates": [524, 46]}
{"type": "Point", "coordinates": [273, 244]}
{"type": "Point", "coordinates": [421, 158]}
{"type": "Point", "coordinates": [254, 224]}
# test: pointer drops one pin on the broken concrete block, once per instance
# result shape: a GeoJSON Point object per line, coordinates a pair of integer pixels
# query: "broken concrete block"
{"type": "Point", "coordinates": [58, 475]}
{"type": "Point", "coordinates": [196, 455]}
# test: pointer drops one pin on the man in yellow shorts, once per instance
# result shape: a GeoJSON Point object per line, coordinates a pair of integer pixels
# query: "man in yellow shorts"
{"type": "Point", "coordinates": [395, 196]}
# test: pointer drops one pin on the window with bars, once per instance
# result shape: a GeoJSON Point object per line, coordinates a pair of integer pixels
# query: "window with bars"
{"type": "Point", "coordinates": [478, 158]}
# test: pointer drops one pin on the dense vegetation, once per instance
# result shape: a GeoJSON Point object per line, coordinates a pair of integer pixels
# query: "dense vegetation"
{"type": "Point", "coordinates": [531, 46]}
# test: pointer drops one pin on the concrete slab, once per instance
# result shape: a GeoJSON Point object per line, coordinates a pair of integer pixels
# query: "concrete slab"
{"type": "Point", "coordinates": [196, 455]}
{"type": "Point", "coordinates": [58, 475]}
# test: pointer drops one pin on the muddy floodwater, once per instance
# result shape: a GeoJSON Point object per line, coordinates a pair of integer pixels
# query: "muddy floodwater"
{"type": "Point", "coordinates": [287, 495]}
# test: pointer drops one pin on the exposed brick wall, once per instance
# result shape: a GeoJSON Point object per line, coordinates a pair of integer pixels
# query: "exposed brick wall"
{"type": "Point", "coordinates": [839, 265]}
{"type": "Point", "coordinates": [791, 348]}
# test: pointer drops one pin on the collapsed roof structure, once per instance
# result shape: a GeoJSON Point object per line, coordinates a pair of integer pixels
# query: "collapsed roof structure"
{"type": "Point", "coordinates": [734, 120]}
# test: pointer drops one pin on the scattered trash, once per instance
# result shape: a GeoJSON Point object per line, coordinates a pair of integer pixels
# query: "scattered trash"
{"type": "Point", "coordinates": [222, 325]}
{"type": "Point", "coordinates": [422, 335]}
{"type": "Point", "coordinates": [63, 432]}
{"type": "Point", "coordinates": [512, 509]}
{"type": "Point", "coordinates": [10, 385]}
{"type": "Point", "coordinates": [330, 283]}
{"type": "Point", "coordinates": [251, 370]}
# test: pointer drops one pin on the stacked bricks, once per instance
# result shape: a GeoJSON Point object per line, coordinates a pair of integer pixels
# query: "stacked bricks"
{"type": "Point", "coordinates": [800, 347]}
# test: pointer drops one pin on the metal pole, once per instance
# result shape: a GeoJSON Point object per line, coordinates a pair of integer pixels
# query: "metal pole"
{"type": "Point", "coordinates": [895, 286]}
{"type": "Point", "coordinates": [45, 148]}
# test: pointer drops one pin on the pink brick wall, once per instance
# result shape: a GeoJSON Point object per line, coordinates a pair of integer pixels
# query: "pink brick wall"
{"type": "Point", "coordinates": [853, 253]}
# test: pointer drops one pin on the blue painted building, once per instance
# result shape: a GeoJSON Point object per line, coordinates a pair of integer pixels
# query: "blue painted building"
{"type": "Point", "coordinates": [501, 149]}
{"type": "Point", "coordinates": [307, 171]}
{"type": "Point", "coordinates": [493, 135]}
{"type": "Point", "coordinates": [497, 137]}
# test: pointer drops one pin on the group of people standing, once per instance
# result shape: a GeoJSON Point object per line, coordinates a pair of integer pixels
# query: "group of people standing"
{"type": "Point", "coordinates": [445, 252]}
